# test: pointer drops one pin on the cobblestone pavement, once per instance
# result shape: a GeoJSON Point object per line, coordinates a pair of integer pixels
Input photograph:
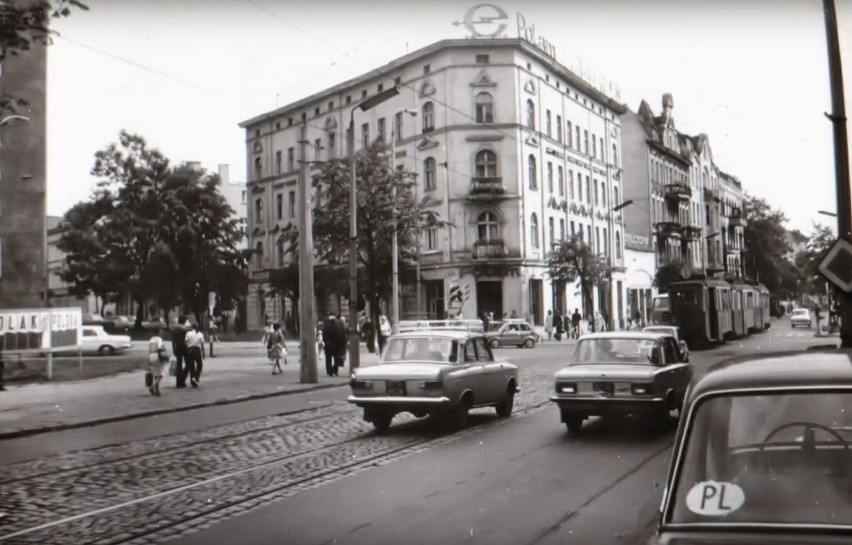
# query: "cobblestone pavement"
{"type": "Point", "coordinates": [149, 491]}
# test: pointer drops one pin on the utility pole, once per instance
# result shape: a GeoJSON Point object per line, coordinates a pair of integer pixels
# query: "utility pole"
{"type": "Point", "coordinates": [307, 318]}
{"type": "Point", "coordinates": [841, 157]}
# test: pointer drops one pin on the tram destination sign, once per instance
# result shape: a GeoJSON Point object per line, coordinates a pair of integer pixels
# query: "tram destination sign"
{"type": "Point", "coordinates": [836, 266]}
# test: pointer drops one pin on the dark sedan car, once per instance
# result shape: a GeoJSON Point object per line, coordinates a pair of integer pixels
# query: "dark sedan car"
{"type": "Point", "coordinates": [763, 454]}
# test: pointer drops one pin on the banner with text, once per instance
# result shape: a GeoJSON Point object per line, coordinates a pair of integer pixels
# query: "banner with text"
{"type": "Point", "coordinates": [40, 328]}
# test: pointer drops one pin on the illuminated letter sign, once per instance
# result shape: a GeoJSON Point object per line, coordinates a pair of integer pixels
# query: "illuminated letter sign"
{"type": "Point", "coordinates": [485, 21]}
{"type": "Point", "coordinates": [528, 33]}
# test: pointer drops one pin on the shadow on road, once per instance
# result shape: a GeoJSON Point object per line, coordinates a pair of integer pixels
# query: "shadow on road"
{"type": "Point", "coordinates": [626, 431]}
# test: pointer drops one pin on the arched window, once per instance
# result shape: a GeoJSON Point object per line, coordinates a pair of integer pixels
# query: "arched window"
{"type": "Point", "coordinates": [486, 164]}
{"type": "Point", "coordinates": [530, 115]}
{"type": "Point", "coordinates": [258, 170]}
{"type": "Point", "coordinates": [428, 117]}
{"type": "Point", "coordinates": [617, 245]}
{"type": "Point", "coordinates": [615, 199]}
{"type": "Point", "coordinates": [534, 230]}
{"type": "Point", "coordinates": [429, 175]}
{"type": "Point", "coordinates": [258, 255]}
{"type": "Point", "coordinates": [533, 173]}
{"type": "Point", "coordinates": [487, 227]}
{"type": "Point", "coordinates": [484, 108]}
{"type": "Point", "coordinates": [258, 211]}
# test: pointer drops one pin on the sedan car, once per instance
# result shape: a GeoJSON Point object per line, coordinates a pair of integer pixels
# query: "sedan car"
{"type": "Point", "coordinates": [763, 454]}
{"type": "Point", "coordinates": [513, 333]}
{"type": "Point", "coordinates": [437, 372]}
{"type": "Point", "coordinates": [800, 317]}
{"type": "Point", "coordinates": [621, 373]}
{"type": "Point", "coordinates": [674, 331]}
{"type": "Point", "coordinates": [96, 339]}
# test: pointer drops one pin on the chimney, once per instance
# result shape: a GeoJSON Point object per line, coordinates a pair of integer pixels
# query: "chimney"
{"type": "Point", "coordinates": [224, 175]}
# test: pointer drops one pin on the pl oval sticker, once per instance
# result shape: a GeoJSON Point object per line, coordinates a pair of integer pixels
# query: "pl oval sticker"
{"type": "Point", "coordinates": [714, 499]}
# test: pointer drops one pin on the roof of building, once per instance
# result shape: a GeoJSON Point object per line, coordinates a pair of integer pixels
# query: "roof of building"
{"type": "Point", "coordinates": [491, 43]}
{"type": "Point", "coordinates": [799, 369]}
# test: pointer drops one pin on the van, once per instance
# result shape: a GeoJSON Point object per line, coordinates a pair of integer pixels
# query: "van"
{"type": "Point", "coordinates": [660, 310]}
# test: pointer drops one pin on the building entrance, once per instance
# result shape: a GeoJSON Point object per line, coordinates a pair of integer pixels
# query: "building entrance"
{"type": "Point", "coordinates": [489, 298]}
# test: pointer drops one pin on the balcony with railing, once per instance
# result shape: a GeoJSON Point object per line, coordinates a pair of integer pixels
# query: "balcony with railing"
{"type": "Point", "coordinates": [487, 187]}
{"type": "Point", "coordinates": [668, 229]}
{"type": "Point", "coordinates": [736, 218]}
{"type": "Point", "coordinates": [678, 191]}
{"type": "Point", "coordinates": [692, 232]}
{"type": "Point", "coordinates": [711, 195]}
{"type": "Point", "coordinates": [489, 249]}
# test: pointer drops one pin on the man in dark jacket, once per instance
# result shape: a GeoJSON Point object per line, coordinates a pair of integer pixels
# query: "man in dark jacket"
{"type": "Point", "coordinates": [334, 337]}
{"type": "Point", "coordinates": [179, 349]}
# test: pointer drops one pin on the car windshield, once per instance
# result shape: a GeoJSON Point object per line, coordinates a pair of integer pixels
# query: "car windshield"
{"type": "Point", "coordinates": [800, 312]}
{"type": "Point", "coordinates": [614, 351]}
{"type": "Point", "coordinates": [422, 349]}
{"type": "Point", "coordinates": [775, 458]}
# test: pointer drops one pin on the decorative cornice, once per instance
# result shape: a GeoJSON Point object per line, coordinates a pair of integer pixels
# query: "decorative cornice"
{"type": "Point", "coordinates": [427, 143]}
{"type": "Point", "coordinates": [427, 89]}
{"type": "Point", "coordinates": [482, 80]}
{"type": "Point", "coordinates": [484, 138]}
{"type": "Point", "coordinates": [529, 86]}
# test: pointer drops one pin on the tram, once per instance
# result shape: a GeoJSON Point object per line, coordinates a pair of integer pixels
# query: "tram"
{"type": "Point", "coordinates": [702, 310]}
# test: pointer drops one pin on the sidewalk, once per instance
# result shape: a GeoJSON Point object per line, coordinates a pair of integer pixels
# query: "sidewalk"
{"type": "Point", "coordinates": [240, 371]}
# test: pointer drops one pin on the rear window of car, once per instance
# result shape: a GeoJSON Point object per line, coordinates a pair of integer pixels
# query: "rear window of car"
{"type": "Point", "coordinates": [800, 312]}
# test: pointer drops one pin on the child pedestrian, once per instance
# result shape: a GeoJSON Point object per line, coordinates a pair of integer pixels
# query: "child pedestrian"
{"type": "Point", "coordinates": [158, 361]}
{"type": "Point", "coordinates": [276, 347]}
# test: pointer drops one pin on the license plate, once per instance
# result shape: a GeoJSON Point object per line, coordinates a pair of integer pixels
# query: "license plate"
{"type": "Point", "coordinates": [396, 389]}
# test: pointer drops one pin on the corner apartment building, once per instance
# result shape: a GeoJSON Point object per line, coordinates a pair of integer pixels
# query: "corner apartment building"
{"type": "Point", "coordinates": [683, 207]}
{"type": "Point", "coordinates": [23, 181]}
{"type": "Point", "coordinates": [512, 148]}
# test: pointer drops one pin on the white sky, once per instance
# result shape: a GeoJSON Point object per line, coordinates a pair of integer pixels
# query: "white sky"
{"type": "Point", "coordinates": [752, 75]}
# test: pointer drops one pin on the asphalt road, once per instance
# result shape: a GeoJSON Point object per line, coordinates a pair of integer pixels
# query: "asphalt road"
{"type": "Point", "coordinates": [304, 469]}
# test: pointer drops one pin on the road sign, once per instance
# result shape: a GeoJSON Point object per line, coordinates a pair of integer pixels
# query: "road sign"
{"type": "Point", "coordinates": [836, 266]}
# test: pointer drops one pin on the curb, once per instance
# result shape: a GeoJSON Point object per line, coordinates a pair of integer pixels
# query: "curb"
{"type": "Point", "coordinates": [17, 434]}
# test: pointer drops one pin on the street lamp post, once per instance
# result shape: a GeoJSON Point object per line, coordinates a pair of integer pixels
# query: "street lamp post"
{"type": "Point", "coordinates": [354, 347]}
{"type": "Point", "coordinates": [395, 236]}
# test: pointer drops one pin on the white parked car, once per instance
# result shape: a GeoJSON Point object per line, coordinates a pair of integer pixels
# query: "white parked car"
{"type": "Point", "coordinates": [800, 317]}
{"type": "Point", "coordinates": [96, 339]}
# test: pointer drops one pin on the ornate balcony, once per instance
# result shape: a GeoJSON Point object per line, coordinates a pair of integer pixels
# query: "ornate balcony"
{"type": "Point", "coordinates": [489, 249]}
{"type": "Point", "coordinates": [736, 219]}
{"type": "Point", "coordinates": [711, 195]}
{"type": "Point", "coordinates": [487, 187]}
{"type": "Point", "coordinates": [668, 229]}
{"type": "Point", "coordinates": [678, 192]}
{"type": "Point", "coordinates": [692, 232]}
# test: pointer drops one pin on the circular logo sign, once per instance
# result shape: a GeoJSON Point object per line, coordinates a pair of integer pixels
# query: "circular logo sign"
{"type": "Point", "coordinates": [486, 21]}
{"type": "Point", "coordinates": [713, 499]}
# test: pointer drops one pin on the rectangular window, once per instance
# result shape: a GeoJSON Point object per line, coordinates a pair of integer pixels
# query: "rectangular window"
{"type": "Point", "coordinates": [279, 206]}
{"type": "Point", "coordinates": [432, 238]}
{"type": "Point", "coordinates": [258, 211]}
{"type": "Point", "coordinates": [551, 229]}
{"type": "Point", "coordinates": [317, 149]}
{"type": "Point", "coordinates": [550, 176]}
{"type": "Point", "coordinates": [586, 142]}
{"type": "Point", "coordinates": [427, 69]}
{"type": "Point", "coordinates": [278, 162]}
{"type": "Point", "coordinates": [577, 136]}
{"type": "Point", "coordinates": [365, 135]}
{"type": "Point", "coordinates": [603, 193]}
{"type": "Point", "coordinates": [561, 229]}
{"type": "Point", "coordinates": [594, 147]}
{"type": "Point", "coordinates": [571, 183]}
{"type": "Point", "coordinates": [548, 122]}
{"type": "Point", "coordinates": [482, 59]}
{"type": "Point", "coordinates": [573, 228]}
{"type": "Point", "coordinates": [291, 159]}
{"type": "Point", "coordinates": [588, 191]}
{"type": "Point", "coordinates": [560, 180]}
{"type": "Point", "coordinates": [582, 234]}
{"type": "Point", "coordinates": [397, 124]}
{"type": "Point", "coordinates": [569, 139]}
{"type": "Point", "coordinates": [589, 233]}
{"type": "Point", "coordinates": [331, 151]}
{"type": "Point", "coordinates": [559, 135]}
{"type": "Point", "coordinates": [597, 193]}
{"type": "Point", "coordinates": [606, 241]}
{"type": "Point", "coordinates": [614, 158]}
{"type": "Point", "coordinates": [381, 128]}
{"type": "Point", "coordinates": [601, 146]}
{"type": "Point", "coordinates": [291, 204]}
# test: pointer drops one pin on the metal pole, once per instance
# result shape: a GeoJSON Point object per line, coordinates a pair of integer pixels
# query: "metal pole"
{"type": "Point", "coordinates": [417, 272]}
{"type": "Point", "coordinates": [354, 347]}
{"type": "Point", "coordinates": [307, 318]}
{"type": "Point", "coordinates": [394, 243]}
{"type": "Point", "coordinates": [841, 156]}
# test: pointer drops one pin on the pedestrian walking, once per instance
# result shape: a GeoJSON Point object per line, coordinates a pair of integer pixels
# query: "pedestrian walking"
{"type": "Point", "coordinates": [384, 331]}
{"type": "Point", "coordinates": [548, 325]}
{"type": "Point", "coordinates": [368, 331]}
{"type": "Point", "coordinates": [558, 330]}
{"type": "Point", "coordinates": [335, 343]}
{"type": "Point", "coordinates": [179, 350]}
{"type": "Point", "coordinates": [158, 361]}
{"type": "Point", "coordinates": [277, 349]}
{"type": "Point", "coordinates": [576, 318]}
{"type": "Point", "coordinates": [195, 352]}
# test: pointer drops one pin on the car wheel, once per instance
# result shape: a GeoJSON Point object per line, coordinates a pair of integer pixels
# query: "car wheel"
{"type": "Point", "coordinates": [106, 350]}
{"type": "Point", "coordinates": [504, 408]}
{"type": "Point", "coordinates": [382, 422]}
{"type": "Point", "coordinates": [529, 343]}
{"type": "Point", "coordinates": [459, 414]}
{"type": "Point", "coordinates": [574, 423]}
{"type": "Point", "coordinates": [495, 343]}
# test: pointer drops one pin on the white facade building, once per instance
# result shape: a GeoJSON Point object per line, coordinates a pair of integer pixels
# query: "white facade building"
{"type": "Point", "coordinates": [510, 147]}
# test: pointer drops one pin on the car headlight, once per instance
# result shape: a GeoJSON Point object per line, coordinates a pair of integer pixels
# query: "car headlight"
{"type": "Point", "coordinates": [355, 383]}
{"type": "Point", "coordinates": [566, 388]}
{"type": "Point", "coordinates": [641, 389]}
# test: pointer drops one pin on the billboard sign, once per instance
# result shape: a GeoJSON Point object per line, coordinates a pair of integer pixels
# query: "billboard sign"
{"type": "Point", "coordinates": [638, 242]}
{"type": "Point", "coordinates": [40, 328]}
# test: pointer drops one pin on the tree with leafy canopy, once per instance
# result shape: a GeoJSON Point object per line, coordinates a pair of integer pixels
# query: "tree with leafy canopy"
{"type": "Point", "coordinates": [385, 204]}
{"type": "Point", "coordinates": [667, 274]}
{"type": "Point", "coordinates": [151, 232]}
{"type": "Point", "coordinates": [572, 260]}
{"type": "Point", "coordinates": [819, 242]}
{"type": "Point", "coordinates": [23, 23]}
{"type": "Point", "coordinates": [765, 243]}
